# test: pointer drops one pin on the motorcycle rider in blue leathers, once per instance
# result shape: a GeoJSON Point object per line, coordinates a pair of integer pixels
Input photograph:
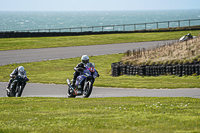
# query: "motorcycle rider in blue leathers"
{"type": "Point", "coordinates": [80, 68]}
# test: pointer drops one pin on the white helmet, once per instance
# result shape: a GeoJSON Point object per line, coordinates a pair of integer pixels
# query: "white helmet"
{"type": "Point", "coordinates": [21, 69]}
{"type": "Point", "coordinates": [85, 59]}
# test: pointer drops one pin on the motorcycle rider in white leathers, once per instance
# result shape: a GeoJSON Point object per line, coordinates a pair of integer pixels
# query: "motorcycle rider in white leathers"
{"type": "Point", "coordinates": [15, 72]}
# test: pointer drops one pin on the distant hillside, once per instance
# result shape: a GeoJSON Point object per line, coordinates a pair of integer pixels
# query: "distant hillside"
{"type": "Point", "coordinates": [177, 53]}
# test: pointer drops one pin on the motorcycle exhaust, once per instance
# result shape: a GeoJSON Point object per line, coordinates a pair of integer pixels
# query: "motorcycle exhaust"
{"type": "Point", "coordinates": [68, 82]}
{"type": "Point", "coordinates": [75, 91]}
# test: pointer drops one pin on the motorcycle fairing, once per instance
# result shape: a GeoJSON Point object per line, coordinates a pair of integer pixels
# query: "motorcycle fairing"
{"type": "Point", "coordinates": [87, 73]}
{"type": "Point", "coordinates": [80, 79]}
{"type": "Point", "coordinates": [95, 74]}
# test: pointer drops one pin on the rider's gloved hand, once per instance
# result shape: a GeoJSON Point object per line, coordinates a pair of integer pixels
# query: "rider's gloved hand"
{"type": "Point", "coordinates": [12, 76]}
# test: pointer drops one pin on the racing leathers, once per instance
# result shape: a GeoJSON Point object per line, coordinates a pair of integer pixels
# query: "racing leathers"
{"type": "Point", "coordinates": [78, 69]}
{"type": "Point", "coordinates": [13, 75]}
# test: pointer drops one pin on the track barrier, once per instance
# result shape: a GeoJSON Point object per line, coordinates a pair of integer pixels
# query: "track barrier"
{"type": "Point", "coordinates": [118, 69]}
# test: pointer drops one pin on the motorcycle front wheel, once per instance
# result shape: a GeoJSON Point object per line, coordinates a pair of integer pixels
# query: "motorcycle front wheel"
{"type": "Point", "coordinates": [19, 91]}
{"type": "Point", "coordinates": [12, 92]}
{"type": "Point", "coordinates": [87, 90]}
{"type": "Point", "coordinates": [70, 93]}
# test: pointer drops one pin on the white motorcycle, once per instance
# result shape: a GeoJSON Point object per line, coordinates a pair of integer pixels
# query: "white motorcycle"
{"type": "Point", "coordinates": [186, 37]}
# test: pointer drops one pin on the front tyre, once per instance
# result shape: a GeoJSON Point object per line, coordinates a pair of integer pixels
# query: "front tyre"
{"type": "Point", "coordinates": [70, 93]}
{"type": "Point", "coordinates": [12, 92]}
{"type": "Point", "coordinates": [88, 89]}
{"type": "Point", "coordinates": [19, 91]}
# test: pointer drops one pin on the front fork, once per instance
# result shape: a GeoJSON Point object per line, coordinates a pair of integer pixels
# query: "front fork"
{"type": "Point", "coordinates": [86, 83]}
{"type": "Point", "coordinates": [69, 84]}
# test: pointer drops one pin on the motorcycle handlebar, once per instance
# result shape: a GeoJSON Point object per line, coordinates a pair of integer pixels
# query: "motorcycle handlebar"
{"type": "Point", "coordinates": [20, 78]}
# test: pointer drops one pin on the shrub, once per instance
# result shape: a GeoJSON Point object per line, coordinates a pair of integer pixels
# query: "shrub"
{"type": "Point", "coordinates": [176, 53]}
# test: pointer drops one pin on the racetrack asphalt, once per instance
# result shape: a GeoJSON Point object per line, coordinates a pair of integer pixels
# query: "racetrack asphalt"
{"type": "Point", "coordinates": [33, 55]}
{"type": "Point", "coordinates": [52, 90]}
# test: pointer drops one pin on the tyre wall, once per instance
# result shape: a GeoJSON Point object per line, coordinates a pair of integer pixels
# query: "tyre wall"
{"type": "Point", "coordinates": [118, 69]}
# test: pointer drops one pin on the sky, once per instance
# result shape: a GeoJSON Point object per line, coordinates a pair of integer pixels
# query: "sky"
{"type": "Point", "coordinates": [96, 5]}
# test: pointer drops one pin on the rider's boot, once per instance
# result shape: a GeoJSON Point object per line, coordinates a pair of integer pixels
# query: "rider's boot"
{"type": "Point", "coordinates": [8, 87]}
{"type": "Point", "coordinates": [74, 79]}
{"type": "Point", "coordinates": [9, 83]}
{"type": "Point", "coordinates": [73, 83]}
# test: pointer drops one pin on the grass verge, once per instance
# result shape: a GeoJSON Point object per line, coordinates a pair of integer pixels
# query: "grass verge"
{"type": "Point", "coordinates": [57, 71]}
{"type": "Point", "coordinates": [130, 114]}
{"type": "Point", "coordinates": [175, 53]}
{"type": "Point", "coordinates": [66, 41]}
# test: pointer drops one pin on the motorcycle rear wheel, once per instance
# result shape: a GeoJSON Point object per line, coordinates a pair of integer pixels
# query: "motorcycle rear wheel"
{"type": "Point", "coordinates": [70, 93]}
{"type": "Point", "coordinates": [87, 90]}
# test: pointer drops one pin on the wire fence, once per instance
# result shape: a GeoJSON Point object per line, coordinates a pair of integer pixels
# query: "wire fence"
{"type": "Point", "coordinates": [123, 27]}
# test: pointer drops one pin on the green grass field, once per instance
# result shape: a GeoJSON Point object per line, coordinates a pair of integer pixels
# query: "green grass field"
{"type": "Point", "coordinates": [115, 115]}
{"type": "Point", "coordinates": [99, 115]}
{"type": "Point", "coordinates": [57, 71]}
{"type": "Point", "coordinates": [66, 41]}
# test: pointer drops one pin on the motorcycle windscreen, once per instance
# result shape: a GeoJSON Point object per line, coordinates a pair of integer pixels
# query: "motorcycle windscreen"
{"type": "Point", "coordinates": [80, 79]}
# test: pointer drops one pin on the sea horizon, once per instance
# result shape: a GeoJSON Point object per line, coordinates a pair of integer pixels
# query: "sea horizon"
{"type": "Point", "coordinates": [31, 20]}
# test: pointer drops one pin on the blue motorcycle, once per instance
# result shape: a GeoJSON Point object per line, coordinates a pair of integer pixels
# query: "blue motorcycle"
{"type": "Point", "coordinates": [84, 82]}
